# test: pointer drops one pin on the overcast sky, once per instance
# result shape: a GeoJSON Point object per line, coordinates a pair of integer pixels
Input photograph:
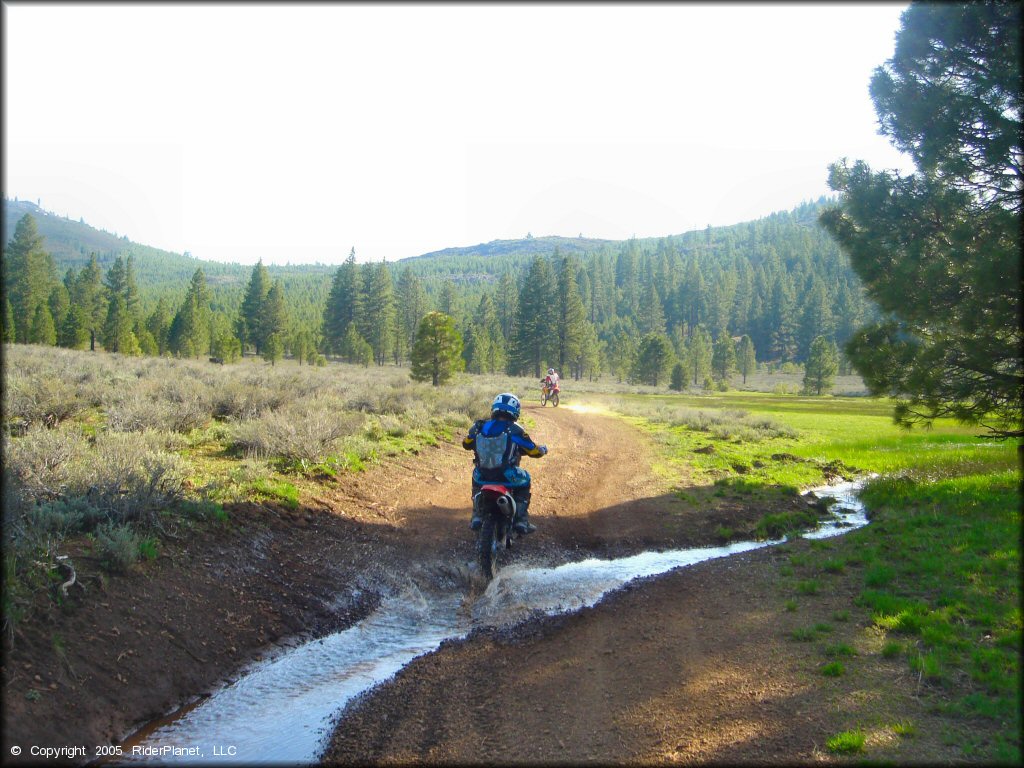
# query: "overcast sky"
{"type": "Point", "coordinates": [297, 132]}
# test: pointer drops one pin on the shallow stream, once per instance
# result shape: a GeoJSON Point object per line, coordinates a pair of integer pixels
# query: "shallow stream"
{"type": "Point", "coordinates": [281, 710]}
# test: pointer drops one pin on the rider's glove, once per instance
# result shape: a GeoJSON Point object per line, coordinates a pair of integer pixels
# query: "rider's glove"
{"type": "Point", "coordinates": [543, 450]}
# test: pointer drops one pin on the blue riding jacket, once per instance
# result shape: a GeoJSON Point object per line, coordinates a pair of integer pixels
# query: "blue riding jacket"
{"type": "Point", "coordinates": [497, 446]}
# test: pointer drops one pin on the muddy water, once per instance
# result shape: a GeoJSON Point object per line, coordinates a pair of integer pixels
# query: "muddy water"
{"type": "Point", "coordinates": [281, 711]}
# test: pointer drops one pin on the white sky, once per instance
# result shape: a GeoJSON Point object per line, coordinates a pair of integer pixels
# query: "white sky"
{"type": "Point", "coordinates": [296, 132]}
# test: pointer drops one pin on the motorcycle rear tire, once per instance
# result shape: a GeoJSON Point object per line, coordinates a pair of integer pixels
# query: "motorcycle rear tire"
{"type": "Point", "coordinates": [487, 548]}
{"type": "Point", "coordinates": [554, 399]}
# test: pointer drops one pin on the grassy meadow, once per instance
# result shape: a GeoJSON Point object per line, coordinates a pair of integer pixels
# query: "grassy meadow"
{"type": "Point", "coordinates": [935, 576]}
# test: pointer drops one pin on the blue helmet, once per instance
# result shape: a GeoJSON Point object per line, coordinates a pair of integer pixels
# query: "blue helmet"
{"type": "Point", "coordinates": [508, 403]}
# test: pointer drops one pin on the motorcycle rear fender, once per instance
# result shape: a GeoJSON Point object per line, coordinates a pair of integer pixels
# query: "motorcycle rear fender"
{"type": "Point", "coordinates": [499, 493]}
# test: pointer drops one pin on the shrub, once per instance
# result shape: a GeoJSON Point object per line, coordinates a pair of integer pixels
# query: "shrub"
{"type": "Point", "coordinates": [117, 546]}
{"type": "Point", "coordinates": [159, 409]}
{"type": "Point", "coordinates": [128, 478]}
{"type": "Point", "coordinates": [38, 400]}
{"type": "Point", "coordinates": [304, 432]}
{"type": "Point", "coordinates": [39, 465]}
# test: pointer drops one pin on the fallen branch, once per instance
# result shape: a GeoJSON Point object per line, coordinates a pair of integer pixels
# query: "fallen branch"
{"type": "Point", "coordinates": [65, 563]}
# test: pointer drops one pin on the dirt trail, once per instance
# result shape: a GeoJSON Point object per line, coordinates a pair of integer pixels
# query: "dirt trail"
{"type": "Point", "coordinates": [691, 666]}
{"type": "Point", "coordinates": [694, 666]}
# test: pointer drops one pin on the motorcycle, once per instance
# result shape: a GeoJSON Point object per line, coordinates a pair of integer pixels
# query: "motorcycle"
{"type": "Point", "coordinates": [497, 509]}
{"type": "Point", "coordinates": [549, 394]}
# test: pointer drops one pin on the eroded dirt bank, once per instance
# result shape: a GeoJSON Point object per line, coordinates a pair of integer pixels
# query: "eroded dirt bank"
{"type": "Point", "coordinates": [134, 647]}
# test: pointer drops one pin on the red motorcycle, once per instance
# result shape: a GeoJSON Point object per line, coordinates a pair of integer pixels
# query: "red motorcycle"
{"type": "Point", "coordinates": [549, 393]}
{"type": "Point", "coordinates": [497, 508]}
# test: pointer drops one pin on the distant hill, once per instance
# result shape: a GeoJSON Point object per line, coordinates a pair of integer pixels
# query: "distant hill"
{"type": "Point", "coordinates": [472, 268]}
{"type": "Point", "coordinates": [529, 247]}
{"type": "Point", "coordinates": [158, 272]}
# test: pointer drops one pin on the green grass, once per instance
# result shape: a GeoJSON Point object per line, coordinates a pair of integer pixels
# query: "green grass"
{"type": "Point", "coordinates": [846, 743]}
{"type": "Point", "coordinates": [833, 669]}
{"type": "Point", "coordinates": [777, 525]}
{"type": "Point", "coordinates": [936, 573]}
{"type": "Point", "coordinates": [275, 490]}
{"type": "Point", "coordinates": [808, 587]}
{"type": "Point", "coordinates": [839, 650]}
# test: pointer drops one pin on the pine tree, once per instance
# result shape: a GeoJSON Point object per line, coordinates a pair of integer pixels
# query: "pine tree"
{"type": "Point", "coordinates": [506, 303]}
{"type": "Point", "coordinates": [42, 331]}
{"type": "Point", "coordinates": [622, 350]}
{"type": "Point", "coordinates": [699, 355]}
{"type": "Point", "coordinates": [723, 358]}
{"type": "Point", "coordinates": [817, 319]}
{"type": "Point", "coordinates": [224, 345]}
{"type": "Point", "coordinates": [626, 279]}
{"type": "Point", "coordinates": [117, 330]}
{"type": "Point", "coordinates": [89, 294]}
{"type": "Point", "coordinates": [571, 318]}
{"type": "Point", "coordinates": [690, 296]}
{"type": "Point", "coordinates": [354, 348]}
{"type": "Point", "coordinates": [746, 357]}
{"type": "Point", "coordinates": [117, 323]}
{"type": "Point", "coordinates": [448, 301]}
{"type": "Point", "coordinates": [72, 333]}
{"type": "Point", "coordinates": [8, 322]}
{"type": "Point", "coordinates": [475, 349]}
{"type": "Point", "coordinates": [380, 311]}
{"type": "Point", "coordinates": [248, 325]}
{"type": "Point", "coordinates": [488, 328]}
{"type": "Point", "coordinates": [939, 250]}
{"type": "Point", "coordinates": [782, 320]}
{"type": "Point", "coordinates": [273, 347]}
{"type": "Point", "coordinates": [536, 338]}
{"type": "Point", "coordinates": [653, 359]}
{"type": "Point", "coordinates": [159, 325]}
{"type": "Point", "coordinates": [821, 367]}
{"type": "Point", "coordinates": [652, 317]}
{"type": "Point", "coordinates": [274, 317]}
{"type": "Point", "coordinates": [678, 380]}
{"type": "Point", "coordinates": [189, 334]}
{"type": "Point", "coordinates": [27, 275]}
{"type": "Point", "coordinates": [590, 353]}
{"type": "Point", "coordinates": [437, 353]}
{"type": "Point", "coordinates": [131, 291]}
{"type": "Point", "coordinates": [344, 304]}
{"type": "Point", "coordinates": [412, 305]}
{"type": "Point", "coordinates": [60, 305]}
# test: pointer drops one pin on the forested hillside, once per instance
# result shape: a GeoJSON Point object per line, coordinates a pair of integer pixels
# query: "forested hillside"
{"type": "Point", "coordinates": [636, 309]}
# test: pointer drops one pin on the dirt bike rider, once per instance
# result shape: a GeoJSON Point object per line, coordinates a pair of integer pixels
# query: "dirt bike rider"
{"type": "Point", "coordinates": [550, 381]}
{"type": "Point", "coordinates": [497, 444]}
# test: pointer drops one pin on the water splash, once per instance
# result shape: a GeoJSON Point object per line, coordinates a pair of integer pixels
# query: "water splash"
{"type": "Point", "coordinates": [281, 711]}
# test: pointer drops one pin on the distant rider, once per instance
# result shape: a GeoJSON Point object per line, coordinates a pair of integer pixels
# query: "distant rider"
{"type": "Point", "coordinates": [550, 381]}
{"type": "Point", "coordinates": [497, 444]}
